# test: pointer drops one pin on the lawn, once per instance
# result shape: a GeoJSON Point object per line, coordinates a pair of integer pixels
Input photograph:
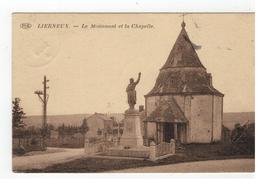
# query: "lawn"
{"type": "Point", "coordinates": [191, 152]}
{"type": "Point", "coordinates": [49, 150]}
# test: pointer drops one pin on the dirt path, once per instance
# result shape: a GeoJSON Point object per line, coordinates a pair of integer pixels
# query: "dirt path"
{"type": "Point", "coordinates": [41, 161]}
{"type": "Point", "coordinates": [232, 165]}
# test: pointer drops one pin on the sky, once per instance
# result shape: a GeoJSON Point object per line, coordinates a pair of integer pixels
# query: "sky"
{"type": "Point", "coordinates": [89, 68]}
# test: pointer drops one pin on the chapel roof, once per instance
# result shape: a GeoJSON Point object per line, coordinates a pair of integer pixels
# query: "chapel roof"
{"type": "Point", "coordinates": [183, 53]}
{"type": "Point", "coordinates": [167, 111]}
{"type": "Point", "coordinates": [183, 72]}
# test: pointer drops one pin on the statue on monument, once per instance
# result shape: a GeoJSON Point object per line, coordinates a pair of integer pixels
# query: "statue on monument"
{"type": "Point", "coordinates": [131, 93]}
{"type": "Point", "coordinates": [132, 136]}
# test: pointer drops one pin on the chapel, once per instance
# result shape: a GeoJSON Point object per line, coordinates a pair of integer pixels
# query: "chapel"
{"type": "Point", "coordinates": [183, 104]}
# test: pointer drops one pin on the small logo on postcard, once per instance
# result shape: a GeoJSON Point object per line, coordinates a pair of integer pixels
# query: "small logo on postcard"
{"type": "Point", "coordinates": [25, 25]}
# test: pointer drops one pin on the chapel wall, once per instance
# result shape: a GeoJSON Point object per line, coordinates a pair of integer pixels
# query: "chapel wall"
{"type": "Point", "coordinates": [200, 125]}
{"type": "Point", "coordinates": [217, 118]}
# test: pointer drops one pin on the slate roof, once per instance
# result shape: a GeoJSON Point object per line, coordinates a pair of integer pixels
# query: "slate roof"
{"type": "Point", "coordinates": [183, 72]}
{"type": "Point", "coordinates": [167, 112]}
{"type": "Point", "coordinates": [181, 81]}
{"type": "Point", "coordinates": [183, 53]}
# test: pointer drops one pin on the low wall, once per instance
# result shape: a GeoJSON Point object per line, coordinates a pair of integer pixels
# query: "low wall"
{"type": "Point", "coordinates": [137, 153]}
{"type": "Point", "coordinates": [153, 152]}
{"type": "Point", "coordinates": [161, 150]}
{"type": "Point", "coordinates": [97, 147]}
{"type": "Point", "coordinates": [66, 143]}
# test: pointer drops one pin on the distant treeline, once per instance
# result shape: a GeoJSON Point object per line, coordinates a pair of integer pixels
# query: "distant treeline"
{"type": "Point", "coordinates": [59, 120]}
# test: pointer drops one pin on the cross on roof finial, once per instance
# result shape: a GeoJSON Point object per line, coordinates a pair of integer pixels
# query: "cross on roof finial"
{"type": "Point", "coordinates": [183, 17]}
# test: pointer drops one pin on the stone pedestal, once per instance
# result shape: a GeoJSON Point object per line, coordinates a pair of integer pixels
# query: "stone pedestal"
{"type": "Point", "coordinates": [132, 136]}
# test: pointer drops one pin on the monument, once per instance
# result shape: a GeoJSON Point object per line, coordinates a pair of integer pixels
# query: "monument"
{"type": "Point", "coordinates": [132, 136]}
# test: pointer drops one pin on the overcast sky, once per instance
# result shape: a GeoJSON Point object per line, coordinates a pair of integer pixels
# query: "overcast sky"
{"type": "Point", "coordinates": [89, 69]}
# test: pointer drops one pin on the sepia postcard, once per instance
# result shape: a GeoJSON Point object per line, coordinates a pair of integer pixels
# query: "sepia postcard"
{"type": "Point", "coordinates": [133, 92]}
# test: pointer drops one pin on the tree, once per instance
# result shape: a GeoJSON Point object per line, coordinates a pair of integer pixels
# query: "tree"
{"type": "Point", "coordinates": [18, 114]}
{"type": "Point", "coordinates": [84, 127]}
{"type": "Point", "coordinates": [51, 127]}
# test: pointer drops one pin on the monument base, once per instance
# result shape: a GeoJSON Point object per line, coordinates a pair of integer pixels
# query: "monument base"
{"type": "Point", "coordinates": [140, 152]}
{"type": "Point", "coordinates": [132, 136]}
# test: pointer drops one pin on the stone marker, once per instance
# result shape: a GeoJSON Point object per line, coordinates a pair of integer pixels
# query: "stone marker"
{"type": "Point", "coordinates": [132, 136]}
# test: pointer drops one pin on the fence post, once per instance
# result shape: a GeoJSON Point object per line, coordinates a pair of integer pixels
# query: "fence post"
{"type": "Point", "coordinates": [86, 145]}
{"type": "Point", "coordinates": [115, 141]}
{"type": "Point", "coordinates": [152, 150]}
{"type": "Point", "coordinates": [172, 146]}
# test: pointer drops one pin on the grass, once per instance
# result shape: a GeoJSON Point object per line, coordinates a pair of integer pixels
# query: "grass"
{"type": "Point", "coordinates": [192, 152]}
{"type": "Point", "coordinates": [92, 165]}
{"type": "Point", "coordinates": [32, 153]}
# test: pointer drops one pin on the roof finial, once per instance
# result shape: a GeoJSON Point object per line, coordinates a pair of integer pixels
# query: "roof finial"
{"type": "Point", "coordinates": [183, 23]}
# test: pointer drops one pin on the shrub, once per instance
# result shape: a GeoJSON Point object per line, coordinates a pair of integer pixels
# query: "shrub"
{"type": "Point", "coordinates": [19, 151]}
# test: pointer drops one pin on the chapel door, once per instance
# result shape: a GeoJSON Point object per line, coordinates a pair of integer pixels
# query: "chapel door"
{"type": "Point", "coordinates": [168, 132]}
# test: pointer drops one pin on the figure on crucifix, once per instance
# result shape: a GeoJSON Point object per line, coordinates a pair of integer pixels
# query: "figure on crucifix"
{"type": "Point", "coordinates": [131, 93]}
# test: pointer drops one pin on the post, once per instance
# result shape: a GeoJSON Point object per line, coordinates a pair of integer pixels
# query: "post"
{"type": "Point", "coordinates": [156, 141]}
{"type": "Point", "coordinates": [44, 124]}
{"type": "Point", "coordinates": [152, 150]}
{"type": "Point", "coordinates": [43, 96]}
{"type": "Point", "coordinates": [158, 133]}
{"type": "Point", "coordinates": [145, 134]}
{"type": "Point", "coordinates": [86, 145]}
{"type": "Point", "coordinates": [118, 130]}
{"type": "Point", "coordinates": [175, 131]}
{"type": "Point", "coordinates": [173, 147]}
